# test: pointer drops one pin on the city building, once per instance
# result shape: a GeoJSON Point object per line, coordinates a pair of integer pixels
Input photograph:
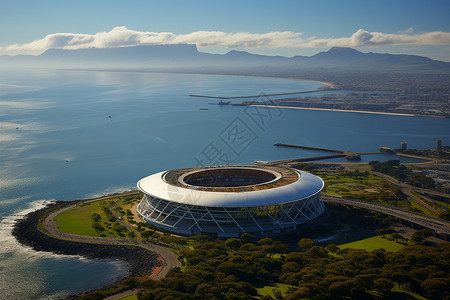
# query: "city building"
{"type": "Point", "coordinates": [438, 145]}
{"type": "Point", "coordinates": [227, 201]}
{"type": "Point", "coordinates": [403, 146]}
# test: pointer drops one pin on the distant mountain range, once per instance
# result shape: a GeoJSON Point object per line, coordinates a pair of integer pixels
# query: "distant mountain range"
{"type": "Point", "coordinates": [187, 57]}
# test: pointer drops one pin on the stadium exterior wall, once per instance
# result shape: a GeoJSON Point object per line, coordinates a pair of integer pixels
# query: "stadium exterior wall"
{"type": "Point", "coordinates": [278, 203]}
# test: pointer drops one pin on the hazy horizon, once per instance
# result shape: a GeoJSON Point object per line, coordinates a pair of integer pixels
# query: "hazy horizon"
{"type": "Point", "coordinates": [286, 28]}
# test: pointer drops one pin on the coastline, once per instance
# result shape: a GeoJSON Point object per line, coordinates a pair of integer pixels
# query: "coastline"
{"type": "Point", "coordinates": [329, 85]}
{"type": "Point", "coordinates": [140, 260]}
{"type": "Point", "coordinates": [342, 110]}
{"type": "Point", "coordinates": [27, 233]}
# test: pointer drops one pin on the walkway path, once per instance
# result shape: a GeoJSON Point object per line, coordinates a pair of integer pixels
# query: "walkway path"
{"type": "Point", "coordinates": [169, 257]}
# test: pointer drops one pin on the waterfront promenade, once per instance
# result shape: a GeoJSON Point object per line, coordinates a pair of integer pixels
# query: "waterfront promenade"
{"type": "Point", "coordinates": [169, 258]}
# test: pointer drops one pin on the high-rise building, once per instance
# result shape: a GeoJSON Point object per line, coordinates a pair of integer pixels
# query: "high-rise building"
{"type": "Point", "coordinates": [438, 145]}
{"type": "Point", "coordinates": [403, 146]}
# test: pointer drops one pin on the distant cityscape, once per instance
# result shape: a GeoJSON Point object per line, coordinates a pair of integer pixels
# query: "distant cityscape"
{"type": "Point", "coordinates": [433, 104]}
{"type": "Point", "coordinates": [439, 171]}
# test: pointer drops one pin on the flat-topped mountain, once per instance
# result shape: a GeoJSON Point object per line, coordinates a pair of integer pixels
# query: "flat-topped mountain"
{"type": "Point", "coordinates": [186, 56]}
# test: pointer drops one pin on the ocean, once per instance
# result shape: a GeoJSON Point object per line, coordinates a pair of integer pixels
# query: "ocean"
{"type": "Point", "coordinates": [73, 134]}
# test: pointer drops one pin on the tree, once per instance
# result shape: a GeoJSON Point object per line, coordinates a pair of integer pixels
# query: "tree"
{"type": "Point", "coordinates": [248, 238]}
{"type": "Point", "coordinates": [317, 251]}
{"type": "Point", "coordinates": [98, 227]}
{"type": "Point", "coordinates": [291, 267]}
{"type": "Point", "coordinates": [147, 234]}
{"type": "Point", "coordinates": [397, 237]}
{"type": "Point", "coordinates": [96, 217]}
{"type": "Point", "coordinates": [305, 244]}
{"type": "Point", "coordinates": [383, 285]}
{"type": "Point", "coordinates": [436, 288]}
{"type": "Point", "coordinates": [445, 215]}
{"type": "Point", "coordinates": [119, 228]}
{"type": "Point", "coordinates": [332, 248]}
{"type": "Point", "coordinates": [385, 231]}
{"type": "Point", "coordinates": [233, 243]}
{"type": "Point", "coordinates": [341, 288]}
{"type": "Point", "coordinates": [421, 235]}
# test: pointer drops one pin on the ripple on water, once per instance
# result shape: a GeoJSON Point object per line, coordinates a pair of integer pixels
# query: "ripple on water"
{"type": "Point", "coordinates": [47, 275]}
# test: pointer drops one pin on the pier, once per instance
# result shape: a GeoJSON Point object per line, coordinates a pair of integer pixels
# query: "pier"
{"type": "Point", "coordinates": [338, 153]}
{"type": "Point", "coordinates": [303, 159]}
{"type": "Point", "coordinates": [309, 148]}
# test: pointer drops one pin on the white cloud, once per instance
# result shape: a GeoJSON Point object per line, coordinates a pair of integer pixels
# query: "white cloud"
{"type": "Point", "coordinates": [122, 36]}
{"type": "Point", "coordinates": [374, 39]}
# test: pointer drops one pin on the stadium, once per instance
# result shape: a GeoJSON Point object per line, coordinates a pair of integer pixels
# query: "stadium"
{"type": "Point", "coordinates": [227, 201]}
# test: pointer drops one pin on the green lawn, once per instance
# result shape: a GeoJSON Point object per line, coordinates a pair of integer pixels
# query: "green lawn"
{"type": "Point", "coordinates": [355, 186]}
{"type": "Point", "coordinates": [78, 220]}
{"type": "Point", "coordinates": [132, 297]}
{"type": "Point", "coordinates": [268, 289]}
{"type": "Point", "coordinates": [376, 242]}
{"type": "Point", "coordinates": [424, 210]}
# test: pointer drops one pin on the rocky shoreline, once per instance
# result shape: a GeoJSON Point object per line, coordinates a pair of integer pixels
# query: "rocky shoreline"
{"type": "Point", "coordinates": [26, 231]}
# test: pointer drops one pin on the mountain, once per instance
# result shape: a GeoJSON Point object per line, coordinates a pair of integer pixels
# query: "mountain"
{"type": "Point", "coordinates": [339, 53]}
{"type": "Point", "coordinates": [126, 53]}
{"type": "Point", "coordinates": [184, 57]}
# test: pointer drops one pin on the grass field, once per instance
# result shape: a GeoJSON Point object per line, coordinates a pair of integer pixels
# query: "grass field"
{"type": "Point", "coordinates": [268, 289]}
{"type": "Point", "coordinates": [414, 205]}
{"type": "Point", "coordinates": [78, 220]}
{"type": "Point", "coordinates": [132, 297]}
{"type": "Point", "coordinates": [354, 186]}
{"type": "Point", "coordinates": [376, 242]}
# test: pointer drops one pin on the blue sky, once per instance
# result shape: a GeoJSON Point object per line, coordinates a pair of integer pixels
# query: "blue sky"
{"type": "Point", "coordinates": [395, 26]}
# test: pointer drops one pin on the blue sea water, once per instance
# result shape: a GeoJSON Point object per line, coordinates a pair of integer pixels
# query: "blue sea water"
{"type": "Point", "coordinates": [72, 134]}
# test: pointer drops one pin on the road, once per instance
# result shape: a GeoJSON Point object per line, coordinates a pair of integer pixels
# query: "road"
{"type": "Point", "coordinates": [410, 187]}
{"type": "Point", "coordinates": [420, 201]}
{"type": "Point", "coordinates": [439, 225]}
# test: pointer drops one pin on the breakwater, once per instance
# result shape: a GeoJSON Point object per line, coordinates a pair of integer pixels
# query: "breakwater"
{"type": "Point", "coordinates": [253, 96]}
{"type": "Point", "coordinates": [308, 148]}
{"type": "Point", "coordinates": [338, 153]}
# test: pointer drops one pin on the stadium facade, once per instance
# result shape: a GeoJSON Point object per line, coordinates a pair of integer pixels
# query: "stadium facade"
{"type": "Point", "coordinates": [229, 200]}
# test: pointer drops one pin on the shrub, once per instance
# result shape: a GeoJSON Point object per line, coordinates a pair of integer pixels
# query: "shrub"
{"type": "Point", "coordinates": [98, 227]}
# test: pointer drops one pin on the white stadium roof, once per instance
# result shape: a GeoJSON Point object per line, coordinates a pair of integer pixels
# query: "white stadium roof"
{"type": "Point", "coordinates": [304, 186]}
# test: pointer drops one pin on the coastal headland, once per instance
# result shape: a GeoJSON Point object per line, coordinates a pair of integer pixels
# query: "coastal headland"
{"type": "Point", "coordinates": [39, 231]}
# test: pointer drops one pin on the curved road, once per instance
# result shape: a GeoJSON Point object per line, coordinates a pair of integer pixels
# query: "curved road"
{"type": "Point", "coordinates": [169, 257]}
{"type": "Point", "coordinates": [410, 187]}
{"type": "Point", "coordinates": [439, 225]}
